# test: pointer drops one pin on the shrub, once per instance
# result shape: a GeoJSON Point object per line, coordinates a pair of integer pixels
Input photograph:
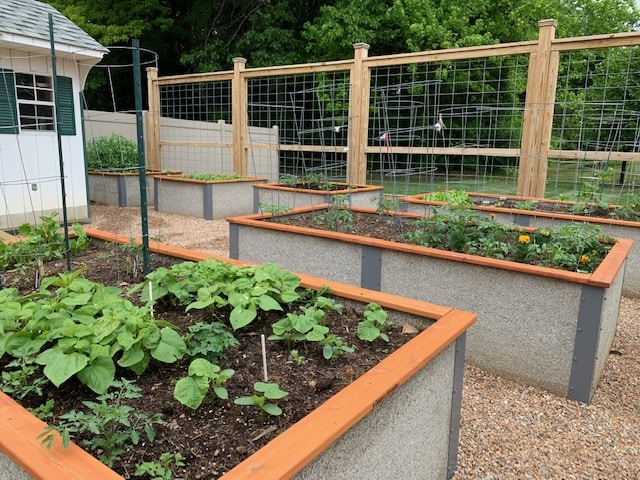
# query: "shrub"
{"type": "Point", "coordinates": [113, 152]}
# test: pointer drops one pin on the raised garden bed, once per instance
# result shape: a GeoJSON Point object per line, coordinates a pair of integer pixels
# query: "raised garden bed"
{"type": "Point", "coordinates": [363, 430]}
{"type": "Point", "coordinates": [208, 199]}
{"type": "Point", "coordinates": [305, 193]}
{"type": "Point", "coordinates": [539, 326]}
{"type": "Point", "coordinates": [121, 189]}
{"type": "Point", "coordinates": [540, 212]}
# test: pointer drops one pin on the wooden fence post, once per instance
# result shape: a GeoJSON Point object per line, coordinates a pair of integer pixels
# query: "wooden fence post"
{"type": "Point", "coordinates": [538, 114]}
{"type": "Point", "coordinates": [153, 120]}
{"type": "Point", "coordinates": [360, 80]}
{"type": "Point", "coordinates": [239, 117]}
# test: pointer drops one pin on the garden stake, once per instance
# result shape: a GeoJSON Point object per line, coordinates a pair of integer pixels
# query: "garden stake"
{"type": "Point", "coordinates": [264, 358]}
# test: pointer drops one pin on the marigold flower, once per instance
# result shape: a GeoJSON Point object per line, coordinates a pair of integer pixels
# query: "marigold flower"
{"type": "Point", "coordinates": [545, 233]}
{"type": "Point", "coordinates": [524, 239]}
{"type": "Point", "coordinates": [492, 215]}
{"type": "Point", "coordinates": [584, 259]}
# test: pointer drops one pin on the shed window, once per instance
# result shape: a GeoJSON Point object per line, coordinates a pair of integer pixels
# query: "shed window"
{"type": "Point", "coordinates": [35, 102]}
{"type": "Point", "coordinates": [27, 103]}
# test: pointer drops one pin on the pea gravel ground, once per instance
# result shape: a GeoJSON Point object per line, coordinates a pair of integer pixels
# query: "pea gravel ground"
{"type": "Point", "coordinates": [508, 431]}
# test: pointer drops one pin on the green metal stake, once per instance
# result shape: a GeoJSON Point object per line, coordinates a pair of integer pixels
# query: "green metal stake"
{"type": "Point", "coordinates": [63, 192]}
{"type": "Point", "coordinates": [142, 171]}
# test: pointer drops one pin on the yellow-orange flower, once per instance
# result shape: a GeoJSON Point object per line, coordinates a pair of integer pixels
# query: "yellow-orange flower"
{"type": "Point", "coordinates": [584, 259]}
{"type": "Point", "coordinates": [492, 215]}
{"type": "Point", "coordinates": [524, 239]}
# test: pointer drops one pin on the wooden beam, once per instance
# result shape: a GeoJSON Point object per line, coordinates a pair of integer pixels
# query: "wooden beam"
{"type": "Point", "coordinates": [538, 114]}
{"type": "Point", "coordinates": [153, 120]}
{"type": "Point", "coordinates": [240, 116]}
{"type": "Point", "coordinates": [358, 116]}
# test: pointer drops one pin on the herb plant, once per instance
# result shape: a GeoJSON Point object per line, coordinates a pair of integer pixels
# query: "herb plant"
{"type": "Point", "coordinates": [110, 426]}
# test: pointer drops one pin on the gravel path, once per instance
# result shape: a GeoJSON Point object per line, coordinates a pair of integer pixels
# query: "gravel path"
{"type": "Point", "coordinates": [508, 431]}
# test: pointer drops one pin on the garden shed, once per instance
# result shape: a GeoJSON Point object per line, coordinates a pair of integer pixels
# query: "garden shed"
{"type": "Point", "coordinates": [34, 140]}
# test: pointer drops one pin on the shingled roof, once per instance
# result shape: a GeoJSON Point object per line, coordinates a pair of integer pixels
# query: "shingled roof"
{"type": "Point", "coordinates": [23, 21]}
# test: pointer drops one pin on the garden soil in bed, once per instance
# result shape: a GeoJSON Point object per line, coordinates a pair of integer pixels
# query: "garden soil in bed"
{"type": "Point", "coordinates": [215, 437]}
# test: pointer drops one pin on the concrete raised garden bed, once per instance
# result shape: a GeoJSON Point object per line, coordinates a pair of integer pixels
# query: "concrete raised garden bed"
{"type": "Point", "coordinates": [400, 418]}
{"type": "Point", "coordinates": [538, 326]}
{"type": "Point", "coordinates": [208, 199]}
{"type": "Point", "coordinates": [121, 189]}
{"type": "Point", "coordinates": [303, 195]}
{"type": "Point", "coordinates": [489, 205]}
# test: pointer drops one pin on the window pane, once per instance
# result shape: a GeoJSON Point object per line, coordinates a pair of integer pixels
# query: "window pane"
{"type": "Point", "coordinates": [42, 81]}
{"type": "Point", "coordinates": [45, 95]}
{"type": "Point", "coordinates": [27, 109]}
{"type": "Point", "coordinates": [25, 93]}
{"type": "Point", "coordinates": [24, 79]}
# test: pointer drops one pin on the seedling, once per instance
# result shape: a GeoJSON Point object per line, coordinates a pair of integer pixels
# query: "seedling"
{"type": "Point", "coordinates": [266, 391]}
{"type": "Point", "coordinates": [112, 427]}
{"type": "Point", "coordinates": [163, 469]}
{"type": "Point", "coordinates": [370, 329]}
{"type": "Point", "coordinates": [202, 376]}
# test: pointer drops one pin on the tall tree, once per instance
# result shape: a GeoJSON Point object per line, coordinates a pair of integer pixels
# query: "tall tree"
{"type": "Point", "coordinates": [395, 26]}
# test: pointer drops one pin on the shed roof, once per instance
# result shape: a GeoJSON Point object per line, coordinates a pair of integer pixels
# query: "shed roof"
{"type": "Point", "coordinates": [23, 21]}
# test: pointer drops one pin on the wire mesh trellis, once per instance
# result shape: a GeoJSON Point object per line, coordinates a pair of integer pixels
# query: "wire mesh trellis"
{"type": "Point", "coordinates": [452, 123]}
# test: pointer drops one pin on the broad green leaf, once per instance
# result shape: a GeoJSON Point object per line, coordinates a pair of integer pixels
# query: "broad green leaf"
{"type": "Point", "coordinates": [189, 392]}
{"type": "Point", "coordinates": [21, 344]}
{"type": "Point", "coordinates": [268, 303]}
{"type": "Point", "coordinates": [245, 401]}
{"type": "Point", "coordinates": [170, 348]}
{"type": "Point", "coordinates": [59, 366]}
{"type": "Point", "coordinates": [99, 374]}
{"type": "Point", "coordinates": [241, 317]}
{"type": "Point", "coordinates": [131, 356]}
{"type": "Point", "coordinates": [272, 409]}
{"type": "Point", "coordinates": [77, 299]}
{"type": "Point", "coordinates": [367, 332]}
{"type": "Point", "coordinates": [103, 327]}
{"type": "Point", "coordinates": [221, 392]}
{"type": "Point", "coordinates": [203, 368]}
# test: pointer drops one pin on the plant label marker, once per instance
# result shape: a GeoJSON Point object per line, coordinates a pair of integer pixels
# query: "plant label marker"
{"type": "Point", "coordinates": [264, 358]}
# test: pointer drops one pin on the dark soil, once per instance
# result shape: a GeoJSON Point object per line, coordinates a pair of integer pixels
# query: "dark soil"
{"type": "Point", "coordinates": [216, 437]}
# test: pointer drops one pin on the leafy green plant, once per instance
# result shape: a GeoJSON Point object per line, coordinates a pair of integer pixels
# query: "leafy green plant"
{"type": "Point", "coordinates": [525, 205]}
{"type": "Point", "coordinates": [576, 247]}
{"type": "Point", "coordinates": [209, 340]}
{"type": "Point", "coordinates": [134, 251]}
{"type": "Point", "coordinates": [44, 241]}
{"type": "Point", "coordinates": [75, 327]}
{"type": "Point", "coordinates": [202, 377]}
{"type": "Point", "coordinates": [24, 380]}
{"type": "Point", "coordinates": [265, 391]}
{"type": "Point", "coordinates": [387, 205]}
{"type": "Point", "coordinates": [208, 177]}
{"type": "Point", "coordinates": [272, 209]}
{"type": "Point", "coordinates": [297, 357]}
{"type": "Point", "coordinates": [164, 468]}
{"type": "Point", "coordinates": [111, 426]}
{"type": "Point", "coordinates": [212, 284]}
{"type": "Point", "coordinates": [338, 217]}
{"type": "Point", "coordinates": [451, 197]}
{"type": "Point", "coordinates": [375, 321]}
{"type": "Point", "coordinates": [333, 346]}
{"type": "Point", "coordinates": [112, 153]}
{"type": "Point", "coordinates": [44, 411]}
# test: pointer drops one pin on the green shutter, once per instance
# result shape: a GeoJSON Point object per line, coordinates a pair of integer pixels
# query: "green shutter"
{"type": "Point", "coordinates": [66, 112]}
{"type": "Point", "coordinates": [8, 110]}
